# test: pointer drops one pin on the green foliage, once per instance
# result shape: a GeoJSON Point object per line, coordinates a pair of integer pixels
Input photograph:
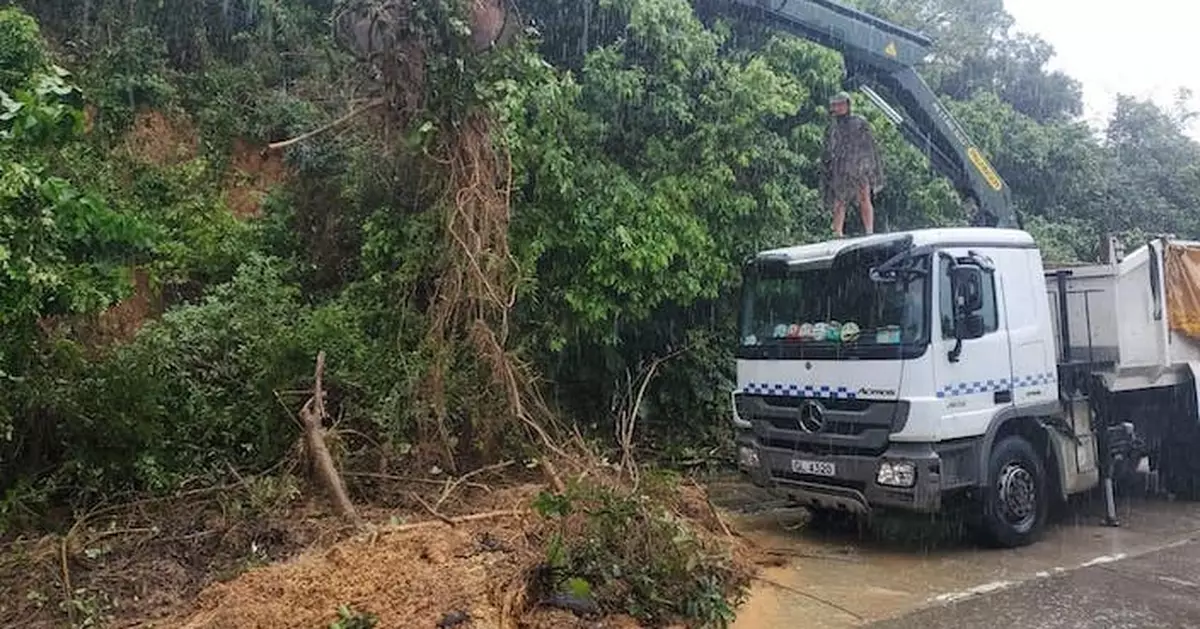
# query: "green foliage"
{"type": "Point", "coordinates": [21, 51]}
{"type": "Point", "coordinates": [1065, 241]}
{"type": "Point", "coordinates": [210, 385]}
{"type": "Point", "coordinates": [198, 239]}
{"type": "Point", "coordinates": [42, 115]}
{"type": "Point", "coordinates": [616, 220]}
{"type": "Point", "coordinates": [1155, 177]}
{"type": "Point", "coordinates": [216, 368]}
{"type": "Point", "coordinates": [348, 618]}
{"type": "Point", "coordinates": [127, 74]}
{"type": "Point", "coordinates": [63, 249]}
{"type": "Point", "coordinates": [630, 553]}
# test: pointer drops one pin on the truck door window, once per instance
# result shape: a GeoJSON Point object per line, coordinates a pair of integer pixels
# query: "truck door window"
{"type": "Point", "coordinates": [990, 313]}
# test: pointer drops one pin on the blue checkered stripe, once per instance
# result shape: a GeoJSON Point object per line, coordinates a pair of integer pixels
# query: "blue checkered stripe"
{"type": "Point", "coordinates": [999, 384]}
{"type": "Point", "coordinates": [799, 390]}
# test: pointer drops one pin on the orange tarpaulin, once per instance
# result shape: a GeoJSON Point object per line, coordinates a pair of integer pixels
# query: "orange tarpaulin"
{"type": "Point", "coordinates": [1182, 271]}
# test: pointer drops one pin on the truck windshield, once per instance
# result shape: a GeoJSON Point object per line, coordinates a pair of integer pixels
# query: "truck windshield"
{"type": "Point", "coordinates": [835, 312]}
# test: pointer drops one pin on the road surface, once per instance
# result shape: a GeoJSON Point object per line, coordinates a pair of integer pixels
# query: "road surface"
{"type": "Point", "coordinates": [898, 572]}
{"type": "Point", "coordinates": [1157, 589]}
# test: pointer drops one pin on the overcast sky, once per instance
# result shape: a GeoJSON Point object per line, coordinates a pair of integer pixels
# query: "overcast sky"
{"type": "Point", "coordinates": [1146, 48]}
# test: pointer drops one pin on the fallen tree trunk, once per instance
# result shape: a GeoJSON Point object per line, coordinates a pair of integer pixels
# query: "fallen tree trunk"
{"type": "Point", "coordinates": [313, 415]}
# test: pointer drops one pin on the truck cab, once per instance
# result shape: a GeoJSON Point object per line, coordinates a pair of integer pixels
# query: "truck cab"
{"type": "Point", "coordinates": [875, 372]}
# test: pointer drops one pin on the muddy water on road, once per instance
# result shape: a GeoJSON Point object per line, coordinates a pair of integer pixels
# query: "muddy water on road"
{"type": "Point", "coordinates": [836, 577]}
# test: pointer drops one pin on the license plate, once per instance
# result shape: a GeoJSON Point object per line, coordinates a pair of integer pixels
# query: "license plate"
{"type": "Point", "coordinates": [813, 468]}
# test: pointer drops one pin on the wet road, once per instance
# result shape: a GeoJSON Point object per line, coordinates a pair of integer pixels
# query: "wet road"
{"type": "Point", "coordinates": [834, 577]}
{"type": "Point", "coordinates": [1157, 589]}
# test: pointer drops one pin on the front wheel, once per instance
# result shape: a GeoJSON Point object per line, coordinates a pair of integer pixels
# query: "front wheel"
{"type": "Point", "coordinates": [1015, 501]}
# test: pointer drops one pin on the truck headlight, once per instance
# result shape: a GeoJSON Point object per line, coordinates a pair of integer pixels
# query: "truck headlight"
{"type": "Point", "coordinates": [897, 474]}
{"type": "Point", "coordinates": [747, 457]}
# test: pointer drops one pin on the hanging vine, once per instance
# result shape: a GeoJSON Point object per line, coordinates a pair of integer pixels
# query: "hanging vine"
{"type": "Point", "coordinates": [425, 61]}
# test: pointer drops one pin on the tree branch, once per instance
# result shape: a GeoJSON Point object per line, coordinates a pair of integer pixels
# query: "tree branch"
{"type": "Point", "coordinates": [627, 420]}
{"type": "Point", "coordinates": [275, 146]}
{"type": "Point", "coordinates": [313, 414]}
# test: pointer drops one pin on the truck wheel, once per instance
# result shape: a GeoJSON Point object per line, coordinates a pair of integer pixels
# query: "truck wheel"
{"type": "Point", "coordinates": [1181, 469]}
{"type": "Point", "coordinates": [1015, 502]}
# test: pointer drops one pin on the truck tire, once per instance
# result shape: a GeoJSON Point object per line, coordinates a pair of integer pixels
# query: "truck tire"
{"type": "Point", "coordinates": [1180, 467]}
{"type": "Point", "coordinates": [1015, 500]}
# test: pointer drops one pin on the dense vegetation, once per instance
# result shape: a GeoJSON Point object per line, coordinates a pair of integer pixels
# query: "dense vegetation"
{"type": "Point", "coordinates": [653, 144]}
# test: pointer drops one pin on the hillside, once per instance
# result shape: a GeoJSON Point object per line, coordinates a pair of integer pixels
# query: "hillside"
{"type": "Point", "coordinates": [513, 229]}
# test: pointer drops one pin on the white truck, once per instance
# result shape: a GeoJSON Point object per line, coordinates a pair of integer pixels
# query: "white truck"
{"type": "Point", "coordinates": [947, 368]}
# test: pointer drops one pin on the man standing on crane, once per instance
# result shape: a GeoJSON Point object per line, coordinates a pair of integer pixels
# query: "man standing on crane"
{"type": "Point", "coordinates": [850, 165]}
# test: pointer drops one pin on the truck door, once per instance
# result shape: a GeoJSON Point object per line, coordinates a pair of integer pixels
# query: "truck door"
{"type": "Point", "coordinates": [978, 382]}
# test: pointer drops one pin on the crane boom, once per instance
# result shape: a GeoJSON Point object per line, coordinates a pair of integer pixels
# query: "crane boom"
{"type": "Point", "coordinates": [883, 55]}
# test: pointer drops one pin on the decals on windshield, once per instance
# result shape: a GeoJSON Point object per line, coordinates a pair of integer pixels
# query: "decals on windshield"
{"type": "Point", "coordinates": [831, 331]}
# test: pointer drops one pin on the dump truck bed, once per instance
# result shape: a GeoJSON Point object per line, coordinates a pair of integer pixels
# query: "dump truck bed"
{"type": "Point", "coordinates": [1137, 320]}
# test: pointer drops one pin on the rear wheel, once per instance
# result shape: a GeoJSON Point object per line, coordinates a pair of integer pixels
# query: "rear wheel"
{"type": "Point", "coordinates": [1015, 501]}
{"type": "Point", "coordinates": [1181, 467]}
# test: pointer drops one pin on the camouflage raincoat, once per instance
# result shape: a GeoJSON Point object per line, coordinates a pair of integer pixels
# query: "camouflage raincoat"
{"type": "Point", "coordinates": [850, 159]}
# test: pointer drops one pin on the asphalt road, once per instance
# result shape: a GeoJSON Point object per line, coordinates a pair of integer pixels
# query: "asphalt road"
{"type": "Point", "coordinates": [1145, 573]}
{"type": "Point", "coordinates": [1157, 589]}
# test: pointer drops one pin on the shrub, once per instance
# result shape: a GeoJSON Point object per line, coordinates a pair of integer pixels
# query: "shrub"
{"type": "Point", "coordinates": [633, 552]}
{"type": "Point", "coordinates": [209, 385]}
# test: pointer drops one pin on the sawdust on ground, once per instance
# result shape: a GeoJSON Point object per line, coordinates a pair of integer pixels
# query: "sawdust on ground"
{"type": "Point", "coordinates": [411, 579]}
{"type": "Point", "coordinates": [420, 577]}
{"type": "Point", "coordinates": [406, 577]}
{"type": "Point", "coordinates": [186, 562]}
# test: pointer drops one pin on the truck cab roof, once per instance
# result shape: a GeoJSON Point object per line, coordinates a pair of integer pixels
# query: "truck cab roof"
{"type": "Point", "coordinates": [981, 237]}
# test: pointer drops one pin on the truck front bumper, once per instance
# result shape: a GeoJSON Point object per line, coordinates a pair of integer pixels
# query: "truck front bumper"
{"type": "Point", "coordinates": [854, 485]}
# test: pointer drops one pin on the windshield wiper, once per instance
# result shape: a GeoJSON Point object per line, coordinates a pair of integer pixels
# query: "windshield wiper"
{"type": "Point", "coordinates": [892, 270]}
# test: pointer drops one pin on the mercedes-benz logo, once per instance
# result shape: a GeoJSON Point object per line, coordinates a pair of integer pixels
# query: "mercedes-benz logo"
{"type": "Point", "coordinates": [812, 416]}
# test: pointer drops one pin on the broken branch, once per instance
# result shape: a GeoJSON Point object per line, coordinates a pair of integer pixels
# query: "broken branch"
{"type": "Point", "coordinates": [275, 146]}
{"type": "Point", "coordinates": [411, 479]}
{"type": "Point", "coordinates": [313, 414]}
{"type": "Point", "coordinates": [712, 509]}
{"type": "Point", "coordinates": [627, 420]}
{"type": "Point", "coordinates": [430, 509]}
{"type": "Point", "coordinates": [475, 517]}
{"type": "Point", "coordinates": [451, 486]}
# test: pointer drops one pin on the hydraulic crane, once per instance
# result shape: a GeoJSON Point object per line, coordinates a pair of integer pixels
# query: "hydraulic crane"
{"type": "Point", "coordinates": [882, 56]}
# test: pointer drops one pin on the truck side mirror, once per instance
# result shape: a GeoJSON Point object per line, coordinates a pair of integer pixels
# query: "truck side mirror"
{"type": "Point", "coordinates": [969, 327]}
{"type": "Point", "coordinates": [966, 282]}
{"type": "Point", "coordinates": [966, 287]}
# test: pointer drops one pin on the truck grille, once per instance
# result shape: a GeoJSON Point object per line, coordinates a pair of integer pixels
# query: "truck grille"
{"type": "Point", "coordinates": [850, 426]}
{"type": "Point", "coordinates": [832, 404]}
